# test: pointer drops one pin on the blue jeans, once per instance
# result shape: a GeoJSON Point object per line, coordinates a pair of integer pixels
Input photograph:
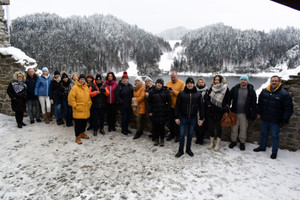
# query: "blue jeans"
{"type": "Point", "coordinates": [125, 119]}
{"type": "Point", "coordinates": [67, 110]}
{"type": "Point", "coordinates": [190, 124]}
{"type": "Point", "coordinates": [275, 130]}
{"type": "Point", "coordinates": [57, 108]}
{"type": "Point", "coordinates": [30, 104]}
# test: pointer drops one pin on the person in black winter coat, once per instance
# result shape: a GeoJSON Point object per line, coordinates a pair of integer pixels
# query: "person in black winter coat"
{"type": "Point", "coordinates": [275, 108]}
{"type": "Point", "coordinates": [159, 108]}
{"type": "Point", "coordinates": [216, 100]}
{"type": "Point", "coordinates": [64, 90]}
{"type": "Point", "coordinates": [188, 105]}
{"type": "Point", "coordinates": [56, 97]}
{"type": "Point", "coordinates": [17, 91]}
{"type": "Point", "coordinates": [98, 93]}
{"type": "Point", "coordinates": [243, 98]}
{"type": "Point", "coordinates": [32, 100]}
{"type": "Point", "coordinates": [124, 94]}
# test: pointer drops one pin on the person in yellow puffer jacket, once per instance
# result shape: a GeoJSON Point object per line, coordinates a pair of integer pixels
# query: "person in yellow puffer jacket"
{"type": "Point", "coordinates": [175, 85]}
{"type": "Point", "coordinates": [80, 101]}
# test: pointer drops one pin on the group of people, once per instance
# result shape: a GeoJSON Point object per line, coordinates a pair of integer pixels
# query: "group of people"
{"type": "Point", "coordinates": [183, 106]}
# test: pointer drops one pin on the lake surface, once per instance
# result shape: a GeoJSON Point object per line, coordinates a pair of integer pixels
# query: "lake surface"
{"type": "Point", "coordinates": [231, 80]}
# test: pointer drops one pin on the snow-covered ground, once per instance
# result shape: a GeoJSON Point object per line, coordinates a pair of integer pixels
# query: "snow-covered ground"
{"type": "Point", "coordinates": [42, 161]}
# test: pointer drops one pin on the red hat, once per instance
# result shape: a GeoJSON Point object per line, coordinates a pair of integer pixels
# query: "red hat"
{"type": "Point", "coordinates": [125, 75]}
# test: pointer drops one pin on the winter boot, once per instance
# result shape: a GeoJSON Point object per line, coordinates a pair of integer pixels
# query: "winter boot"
{"type": "Point", "coordinates": [211, 145]}
{"type": "Point", "coordinates": [46, 119]}
{"type": "Point", "coordinates": [189, 151]}
{"type": "Point", "coordinates": [84, 136]}
{"type": "Point", "coordinates": [62, 121]}
{"type": "Point", "coordinates": [156, 142]}
{"type": "Point", "coordinates": [95, 133]}
{"type": "Point", "coordinates": [258, 149]}
{"type": "Point", "coordinates": [273, 156]}
{"type": "Point", "coordinates": [58, 122]}
{"type": "Point", "coordinates": [102, 131]}
{"type": "Point", "coordinates": [217, 148]}
{"type": "Point", "coordinates": [162, 142]}
{"type": "Point", "coordinates": [49, 115]}
{"type": "Point", "coordinates": [242, 146]}
{"type": "Point", "coordinates": [137, 135]}
{"type": "Point", "coordinates": [232, 145]}
{"type": "Point", "coordinates": [179, 153]}
{"type": "Point", "coordinates": [78, 140]}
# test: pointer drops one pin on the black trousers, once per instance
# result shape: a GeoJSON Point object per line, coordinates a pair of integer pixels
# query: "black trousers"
{"type": "Point", "coordinates": [80, 125]}
{"type": "Point", "coordinates": [19, 117]}
{"type": "Point", "coordinates": [111, 115]}
{"type": "Point", "coordinates": [158, 131]}
{"type": "Point", "coordinates": [173, 127]}
{"type": "Point", "coordinates": [214, 123]}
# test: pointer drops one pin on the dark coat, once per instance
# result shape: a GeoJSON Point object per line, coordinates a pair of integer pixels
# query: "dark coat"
{"type": "Point", "coordinates": [214, 111]}
{"type": "Point", "coordinates": [30, 82]}
{"type": "Point", "coordinates": [159, 104]}
{"type": "Point", "coordinates": [18, 99]}
{"type": "Point", "coordinates": [250, 105]}
{"type": "Point", "coordinates": [124, 94]}
{"type": "Point", "coordinates": [55, 93]}
{"type": "Point", "coordinates": [65, 88]}
{"type": "Point", "coordinates": [276, 106]}
{"type": "Point", "coordinates": [99, 100]}
{"type": "Point", "coordinates": [188, 103]}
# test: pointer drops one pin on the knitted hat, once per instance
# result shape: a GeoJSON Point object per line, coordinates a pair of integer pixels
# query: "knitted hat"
{"type": "Point", "coordinates": [45, 69]}
{"type": "Point", "coordinates": [245, 77]}
{"type": "Point", "coordinates": [125, 75]}
{"type": "Point", "coordinates": [81, 76]}
{"type": "Point", "coordinates": [98, 77]}
{"type": "Point", "coordinates": [189, 80]}
{"type": "Point", "coordinates": [161, 81]}
{"type": "Point", "coordinates": [138, 78]}
{"type": "Point", "coordinates": [64, 75]}
{"type": "Point", "coordinates": [56, 73]}
{"type": "Point", "coordinates": [148, 79]}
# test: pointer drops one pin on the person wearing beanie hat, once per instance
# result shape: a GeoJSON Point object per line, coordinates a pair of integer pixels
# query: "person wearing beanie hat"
{"type": "Point", "coordinates": [56, 72]}
{"type": "Point", "coordinates": [64, 75]}
{"type": "Point", "coordinates": [148, 79]}
{"type": "Point", "coordinates": [158, 107]}
{"type": "Point", "coordinates": [65, 87]}
{"type": "Point", "coordinates": [124, 94]}
{"type": "Point", "coordinates": [98, 77]}
{"type": "Point", "coordinates": [138, 78]}
{"type": "Point", "coordinates": [188, 106]}
{"type": "Point", "coordinates": [80, 101]}
{"type": "Point", "coordinates": [125, 75]}
{"type": "Point", "coordinates": [216, 99]}
{"type": "Point", "coordinates": [56, 97]}
{"type": "Point", "coordinates": [42, 90]}
{"type": "Point", "coordinates": [243, 98]}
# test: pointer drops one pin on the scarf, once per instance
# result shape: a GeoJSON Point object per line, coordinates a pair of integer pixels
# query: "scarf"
{"type": "Point", "coordinates": [201, 89]}
{"type": "Point", "coordinates": [18, 86]}
{"type": "Point", "coordinates": [136, 87]}
{"type": "Point", "coordinates": [57, 79]}
{"type": "Point", "coordinates": [217, 94]}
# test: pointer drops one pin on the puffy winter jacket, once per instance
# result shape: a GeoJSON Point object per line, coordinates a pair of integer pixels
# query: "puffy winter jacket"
{"type": "Point", "coordinates": [17, 92]}
{"type": "Point", "coordinates": [159, 104]}
{"type": "Point", "coordinates": [276, 106]}
{"type": "Point", "coordinates": [124, 94]}
{"type": "Point", "coordinates": [42, 87]}
{"type": "Point", "coordinates": [31, 82]}
{"type": "Point", "coordinates": [139, 92]}
{"type": "Point", "coordinates": [99, 100]}
{"type": "Point", "coordinates": [111, 86]}
{"type": "Point", "coordinates": [55, 91]}
{"type": "Point", "coordinates": [250, 105]}
{"type": "Point", "coordinates": [80, 101]}
{"type": "Point", "coordinates": [188, 103]}
{"type": "Point", "coordinates": [65, 88]}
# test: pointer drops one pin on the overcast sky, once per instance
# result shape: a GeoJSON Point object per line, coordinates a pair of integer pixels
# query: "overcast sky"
{"type": "Point", "coordinates": [158, 15]}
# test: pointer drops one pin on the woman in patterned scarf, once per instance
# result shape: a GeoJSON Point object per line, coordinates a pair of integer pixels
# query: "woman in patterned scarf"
{"type": "Point", "coordinates": [216, 99]}
{"type": "Point", "coordinates": [17, 91]}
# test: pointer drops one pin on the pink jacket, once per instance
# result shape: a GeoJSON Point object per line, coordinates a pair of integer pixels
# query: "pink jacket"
{"type": "Point", "coordinates": [111, 86]}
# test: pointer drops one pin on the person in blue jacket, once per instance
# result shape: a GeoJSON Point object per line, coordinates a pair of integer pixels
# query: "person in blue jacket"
{"type": "Point", "coordinates": [42, 90]}
{"type": "Point", "coordinates": [275, 108]}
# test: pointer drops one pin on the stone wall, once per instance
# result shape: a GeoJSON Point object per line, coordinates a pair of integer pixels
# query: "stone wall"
{"type": "Point", "coordinates": [4, 36]}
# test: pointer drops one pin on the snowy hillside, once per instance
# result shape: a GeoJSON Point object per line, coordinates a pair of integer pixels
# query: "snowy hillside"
{"type": "Point", "coordinates": [42, 161]}
{"type": "Point", "coordinates": [174, 33]}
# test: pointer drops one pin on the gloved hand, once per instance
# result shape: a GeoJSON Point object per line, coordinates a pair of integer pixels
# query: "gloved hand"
{"type": "Point", "coordinates": [102, 90]}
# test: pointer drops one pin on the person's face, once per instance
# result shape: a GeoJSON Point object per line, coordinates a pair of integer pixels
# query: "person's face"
{"type": "Point", "coordinates": [30, 72]}
{"type": "Point", "coordinates": [124, 80]}
{"type": "Point", "coordinates": [174, 77]}
{"type": "Point", "coordinates": [110, 77]}
{"type": "Point", "coordinates": [158, 85]}
{"type": "Point", "coordinates": [65, 79]}
{"type": "Point", "coordinates": [20, 78]}
{"type": "Point", "coordinates": [45, 73]}
{"type": "Point", "coordinates": [244, 82]}
{"type": "Point", "coordinates": [57, 76]}
{"type": "Point", "coordinates": [81, 81]}
{"type": "Point", "coordinates": [190, 85]}
{"type": "Point", "coordinates": [75, 77]}
{"type": "Point", "coordinates": [217, 80]}
{"type": "Point", "coordinates": [201, 83]}
{"type": "Point", "coordinates": [89, 80]}
{"type": "Point", "coordinates": [137, 82]}
{"type": "Point", "coordinates": [275, 82]}
{"type": "Point", "coordinates": [148, 82]}
{"type": "Point", "coordinates": [98, 81]}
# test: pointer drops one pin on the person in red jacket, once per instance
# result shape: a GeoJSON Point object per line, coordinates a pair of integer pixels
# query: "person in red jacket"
{"type": "Point", "coordinates": [111, 85]}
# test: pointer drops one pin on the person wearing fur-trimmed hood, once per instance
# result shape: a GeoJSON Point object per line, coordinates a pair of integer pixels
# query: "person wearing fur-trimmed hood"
{"type": "Point", "coordinates": [17, 91]}
{"type": "Point", "coordinates": [56, 96]}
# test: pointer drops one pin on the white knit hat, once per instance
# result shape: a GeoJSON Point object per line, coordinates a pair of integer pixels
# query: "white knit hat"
{"type": "Point", "coordinates": [138, 78]}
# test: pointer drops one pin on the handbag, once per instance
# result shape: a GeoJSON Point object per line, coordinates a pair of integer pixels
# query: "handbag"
{"type": "Point", "coordinates": [228, 119]}
{"type": "Point", "coordinates": [135, 106]}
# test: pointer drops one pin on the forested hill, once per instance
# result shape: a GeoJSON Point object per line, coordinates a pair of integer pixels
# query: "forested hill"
{"type": "Point", "coordinates": [223, 48]}
{"type": "Point", "coordinates": [91, 44]}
